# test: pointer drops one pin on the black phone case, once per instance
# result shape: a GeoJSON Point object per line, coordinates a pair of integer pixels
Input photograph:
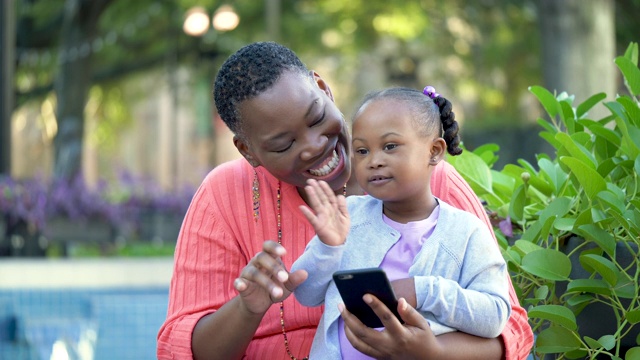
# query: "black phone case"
{"type": "Point", "coordinates": [354, 284]}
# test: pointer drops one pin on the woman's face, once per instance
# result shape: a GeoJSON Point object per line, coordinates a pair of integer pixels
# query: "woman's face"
{"type": "Point", "coordinates": [296, 132]}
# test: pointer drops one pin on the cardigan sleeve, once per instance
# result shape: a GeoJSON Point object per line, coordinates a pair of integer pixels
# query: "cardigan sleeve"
{"type": "Point", "coordinates": [474, 300]}
{"type": "Point", "coordinates": [448, 185]}
{"type": "Point", "coordinates": [320, 261]}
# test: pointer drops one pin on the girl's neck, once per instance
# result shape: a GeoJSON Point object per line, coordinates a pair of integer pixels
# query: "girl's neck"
{"type": "Point", "coordinates": [409, 210]}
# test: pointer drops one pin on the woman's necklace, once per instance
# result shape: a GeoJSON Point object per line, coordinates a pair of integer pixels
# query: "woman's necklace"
{"type": "Point", "coordinates": [284, 332]}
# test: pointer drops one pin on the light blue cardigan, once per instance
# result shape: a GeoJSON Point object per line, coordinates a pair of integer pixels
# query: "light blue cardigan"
{"type": "Point", "coordinates": [460, 274]}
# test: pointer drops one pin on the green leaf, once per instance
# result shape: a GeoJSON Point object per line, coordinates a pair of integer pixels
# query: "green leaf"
{"type": "Point", "coordinates": [626, 288]}
{"type": "Point", "coordinates": [612, 200]}
{"type": "Point", "coordinates": [475, 171]}
{"type": "Point", "coordinates": [564, 224]}
{"type": "Point", "coordinates": [548, 264]}
{"type": "Point", "coordinates": [542, 292]}
{"type": "Point", "coordinates": [633, 353]}
{"type": "Point", "coordinates": [526, 247]}
{"type": "Point", "coordinates": [589, 103]}
{"type": "Point", "coordinates": [555, 175]}
{"type": "Point", "coordinates": [632, 109]}
{"type": "Point", "coordinates": [631, 74]}
{"type": "Point", "coordinates": [594, 286]}
{"type": "Point", "coordinates": [559, 207]}
{"type": "Point", "coordinates": [631, 53]}
{"type": "Point", "coordinates": [636, 165]}
{"type": "Point", "coordinates": [569, 117]}
{"type": "Point", "coordinates": [547, 126]}
{"type": "Point", "coordinates": [556, 339]}
{"type": "Point", "coordinates": [593, 343]}
{"type": "Point", "coordinates": [588, 177]}
{"type": "Point", "coordinates": [633, 316]}
{"type": "Point", "coordinates": [557, 314]}
{"type": "Point", "coordinates": [601, 237]}
{"type": "Point", "coordinates": [604, 132]}
{"type": "Point", "coordinates": [579, 300]}
{"type": "Point", "coordinates": [519, 199]}
{"type": "Point", "coordinates": [607, 341]}
{"type": "Point", "coordinates": [547, 100]}
{"type": "Point", "coordinates": [576, 150]}
{"type": "Point", "coordinates": [601, 265]}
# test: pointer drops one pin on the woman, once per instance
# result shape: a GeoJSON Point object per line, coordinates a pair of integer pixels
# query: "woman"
{"type": "Point", "coordinates": [288, 129]}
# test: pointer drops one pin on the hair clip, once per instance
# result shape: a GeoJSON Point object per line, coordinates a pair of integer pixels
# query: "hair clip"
{"type": "Point", "coordinates": [430, 91]}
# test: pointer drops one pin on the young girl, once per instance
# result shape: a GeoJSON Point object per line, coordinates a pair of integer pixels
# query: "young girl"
{"type": "Point", "coordinates": [447, 255]}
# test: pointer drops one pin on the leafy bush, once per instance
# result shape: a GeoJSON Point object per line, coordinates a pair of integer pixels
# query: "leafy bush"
{"type": "Point", "coordinates": [569, 227]}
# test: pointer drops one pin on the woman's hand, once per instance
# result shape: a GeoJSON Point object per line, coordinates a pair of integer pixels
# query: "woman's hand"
{"type": "Point", "coordinates": [329, 218]}
{"type": "Point", "coordinates": [411, 340]}
{"type": "Point", "coordinates": [265, 280]}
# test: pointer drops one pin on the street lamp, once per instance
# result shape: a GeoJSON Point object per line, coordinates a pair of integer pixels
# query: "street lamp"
{"type": "Point", "coordinates": [196, 21]}
{"type": "Point", "coordinates": [225, 18]}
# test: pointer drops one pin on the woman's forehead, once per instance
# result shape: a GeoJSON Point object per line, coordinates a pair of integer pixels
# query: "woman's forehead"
{"type": "Point", "coordinates": [291, 96]}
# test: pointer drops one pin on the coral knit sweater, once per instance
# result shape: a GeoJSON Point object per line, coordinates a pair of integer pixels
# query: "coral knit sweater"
{"type": "Point", "coordinates": [219, 236]}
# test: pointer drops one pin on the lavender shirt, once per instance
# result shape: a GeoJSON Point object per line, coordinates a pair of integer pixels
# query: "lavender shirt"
{"type": "Point", "coordinates": [395, 264]}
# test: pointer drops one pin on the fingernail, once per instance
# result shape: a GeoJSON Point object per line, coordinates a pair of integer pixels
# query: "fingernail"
{"type": "Point", "coordinates": [341, 307]}
{"type": "Point", "coordinates": [276, 292]}
{"type": "Point", "coordinates": [283, 275]}
{"type": "Point", "coordinates": [367, 299]}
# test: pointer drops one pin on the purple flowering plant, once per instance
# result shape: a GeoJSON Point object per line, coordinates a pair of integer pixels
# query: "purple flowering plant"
{"type": "Point", "coordinates": [37, 201]}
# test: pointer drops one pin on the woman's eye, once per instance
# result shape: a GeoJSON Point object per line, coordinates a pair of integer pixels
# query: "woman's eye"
{"type": "Point", "coordinates": [320, 119]}
{"type": "Point", "coordinates": [390, 146]}
{"type": "Point", "coordinates": [285, 149]}
{"type": "Point", "coordinates": [361, 151]}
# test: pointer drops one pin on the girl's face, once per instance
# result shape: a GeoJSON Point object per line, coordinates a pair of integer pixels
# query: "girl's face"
{"type": "Point", "coordinates": [296, 132]}
{"type": "Point", "coordinates": [392, 161]}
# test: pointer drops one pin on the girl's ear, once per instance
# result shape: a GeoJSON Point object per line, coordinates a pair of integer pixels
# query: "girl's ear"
{"type": "Point", "coordinates": [245, 151]}
{"type": "Point", "coordinates": [322, 84]}
{"type": "Point", "coordinates": [438, 149]}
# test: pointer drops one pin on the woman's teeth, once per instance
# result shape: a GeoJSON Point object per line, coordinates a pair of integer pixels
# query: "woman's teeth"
{"type": "Point", "coordinates": [327, 168]}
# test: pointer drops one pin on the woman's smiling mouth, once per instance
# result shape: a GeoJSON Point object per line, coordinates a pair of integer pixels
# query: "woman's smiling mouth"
{"type": "Point", "coordinates": [327, 166]}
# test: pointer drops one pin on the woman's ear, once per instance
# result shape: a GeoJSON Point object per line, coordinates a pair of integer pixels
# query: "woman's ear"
{"type": "Point", "coordinates": [322, 84]}
{"type": "Point", "coordinates": [244, 150]}
{"type": "Point", "coordinates": [437, 151]}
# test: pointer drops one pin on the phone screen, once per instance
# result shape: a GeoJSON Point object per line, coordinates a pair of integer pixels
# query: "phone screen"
{"type": "Point", "coordinates": [354, 284]}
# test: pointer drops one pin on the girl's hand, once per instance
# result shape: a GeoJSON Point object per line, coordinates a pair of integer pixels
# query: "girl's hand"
{"type": "Point", "coordinates": [329, 217]}
{"type": "Point", "coordinates": [413, 340]}
{"type": "Point", "coordinates": [265, 280]}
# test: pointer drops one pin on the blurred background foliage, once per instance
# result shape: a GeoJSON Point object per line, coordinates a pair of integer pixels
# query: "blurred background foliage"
{"type": "Point", "coordinates": [82, 69]}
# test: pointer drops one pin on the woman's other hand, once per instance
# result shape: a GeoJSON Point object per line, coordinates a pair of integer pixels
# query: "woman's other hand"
{"type": "Point", "coordinates": [411, 340]}
{"type": "Point", "coordinates": [265, 280]}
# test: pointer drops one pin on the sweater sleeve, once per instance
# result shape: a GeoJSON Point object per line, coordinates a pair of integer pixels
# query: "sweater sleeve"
{"type": "Point", "coordinates": [206, 259]}
{"type": "Point", "coordinates": [476, 303]}
{"type": "Point", "coordinates": [448, 185]}
{"type": "Point", "coordinates": [320, 261]}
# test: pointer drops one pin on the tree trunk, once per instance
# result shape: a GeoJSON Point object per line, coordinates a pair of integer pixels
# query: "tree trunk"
{"type": "Point", "coordinates": [73, 82]}
{"type": "Point", "coordinates": [578, 48]}
{"type": "Point", "coordinates": [7, 63]}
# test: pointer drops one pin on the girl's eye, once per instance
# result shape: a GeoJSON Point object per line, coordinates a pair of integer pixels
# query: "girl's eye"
{"type": "Point", "coordinates": [390, 146]}
{"type": "Point", "coordinates": [361, 151]}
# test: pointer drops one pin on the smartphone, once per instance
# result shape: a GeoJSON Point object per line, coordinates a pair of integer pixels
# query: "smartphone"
{"type": "Point", "coordinates": [354, 284]}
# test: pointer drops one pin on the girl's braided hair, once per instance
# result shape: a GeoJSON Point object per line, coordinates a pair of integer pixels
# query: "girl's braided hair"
{"type": "Point", "coordinates": [249, 72]}
{"type": "Point", "coordinates": [426, 111]}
